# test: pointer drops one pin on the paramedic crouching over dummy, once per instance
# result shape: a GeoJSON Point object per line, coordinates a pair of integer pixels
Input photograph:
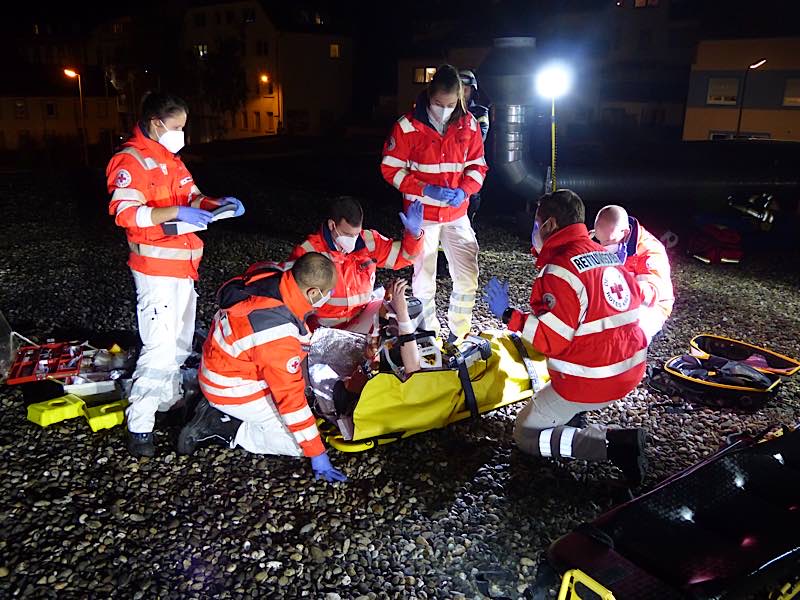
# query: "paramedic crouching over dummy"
{"type": "Point", "coordinates": [645, 257]}
{"type": "Point", "coordinates": [584, 320]}
{"type": "Point", "coordinates": [253, 371]}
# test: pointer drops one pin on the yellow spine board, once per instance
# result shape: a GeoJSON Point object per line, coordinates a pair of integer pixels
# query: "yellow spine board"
{"type": "Point", "coordinates": [567, 591]}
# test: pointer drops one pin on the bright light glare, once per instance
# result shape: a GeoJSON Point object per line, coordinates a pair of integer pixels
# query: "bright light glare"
{"type": "Point", "coordinates": [70, 73]}
{"type": "Point", "coordinates": [738, 481]}
{"type": "Point", "coordinates": [553, 81]}
{"type": "Point", "coordinates": [755, 65]}
{"type": "Point", "coordinates": [686, 513]}
{"type": "Point", "coordinates": [264, 79]}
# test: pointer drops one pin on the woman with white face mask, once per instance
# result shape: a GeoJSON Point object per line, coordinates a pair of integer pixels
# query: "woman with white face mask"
{"type": "Point", "coordinates": [435, 155]}
{"type": "Point", "coordinates": [150, 185]}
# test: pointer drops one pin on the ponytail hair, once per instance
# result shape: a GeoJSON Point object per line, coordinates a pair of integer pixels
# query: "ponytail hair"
{"type": "Point", "coordinates": [159, 105]}
{"type": "Point", "coordinates": [447, 80]}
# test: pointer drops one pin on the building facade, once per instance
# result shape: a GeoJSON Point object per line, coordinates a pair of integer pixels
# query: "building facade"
{"type": "Point", "coordinates": [727, 98]}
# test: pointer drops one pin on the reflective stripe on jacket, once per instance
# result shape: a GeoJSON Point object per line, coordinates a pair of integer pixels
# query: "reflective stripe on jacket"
{"type": "Point", "coordinates": [142, 176]}
{"type": "Point", "coordinates": [585, 319]}
{"type": "Point", "coordinates": [256, 349]}
{"type": "Point", "coordinates": [649, 263]}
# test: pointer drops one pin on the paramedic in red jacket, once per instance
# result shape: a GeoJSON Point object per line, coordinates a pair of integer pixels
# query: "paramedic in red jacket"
{"type": "Point", "coordinates": [253, 370]}
{"type": "Point", "coordinates": [357, 252]}
{"type": "Point", "coordinates": [149, 185]}
{"type": "Point", "coordinates": [435, 155]}
{"type": "Point", "coordinates": [584, 319]}
{"type": "Point", "coordinates": [646, 259]}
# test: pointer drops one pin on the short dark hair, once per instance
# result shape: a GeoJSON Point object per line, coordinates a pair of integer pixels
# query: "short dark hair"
{"type": "Point", "coordinates": [347, 208]}
{"type": "Point", "coordinates": [160, 105]}
{"type": "Point", "coordinates": [314, 270]}
{"type": "Point", "coordinates": [565, 206]}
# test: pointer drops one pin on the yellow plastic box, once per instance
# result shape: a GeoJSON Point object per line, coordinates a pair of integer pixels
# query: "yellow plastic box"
{"type": "Point", "coordinates": [106, 416]}
{"type": "Point", "coordinates": [55, 410]}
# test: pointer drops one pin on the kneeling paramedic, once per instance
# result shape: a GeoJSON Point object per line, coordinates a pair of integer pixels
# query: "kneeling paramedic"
{"type": "Point", "coordinates": [253, 369]}
{"type": "Point", "coordinates": [357, 252]}
{"type": "Point", "coordinates": [646, 259]}
{"type": "Point", "coordinates": [584, 320]}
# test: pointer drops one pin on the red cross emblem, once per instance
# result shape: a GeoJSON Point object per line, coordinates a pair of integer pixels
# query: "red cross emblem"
{"type": "Point", "coordinates": [617, 290]}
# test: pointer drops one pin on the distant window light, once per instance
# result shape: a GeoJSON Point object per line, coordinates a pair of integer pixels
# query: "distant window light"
{"type": "Point", "coordinates": [50, 110]}
{"type": "Point", "coordinates": [424, 74]}
{"type": "Point", "coordinates": [335, 51]}
{"type": "Point", "coordinates": [201, 50]}
{"type": "Point", "coordinates": [200, 19]}
{"type": "Point", "coordinates": [116, 28]}
{"type": "Point", "coordinates": [20, 109]}
{"type": "Point", "coordinates": [248, 15]}
{"type": "Point", "coordinates": [639, 3]}
{"type": "Point", "coordinates": [723, 91]}
{"type": "Point", "coordinates": [318, 20]}
{"type": "Point", "coordinates": [35, 29]}
{"type": "Point", "coordinates": [791, 94]}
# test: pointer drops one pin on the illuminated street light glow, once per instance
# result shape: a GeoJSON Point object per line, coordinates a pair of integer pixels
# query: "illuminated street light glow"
{"type": "Point", "coordinates": [70, 73]}
{"type": "Point", "coordinates": [553, 81]}
{"type": "Point", "coordinates": [264, 78]}
{"type": "Point", "coordinates": [755, 65]}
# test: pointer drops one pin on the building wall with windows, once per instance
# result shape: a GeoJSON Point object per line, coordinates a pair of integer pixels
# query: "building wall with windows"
{"type": "Point", "coordinates": [726, 95]}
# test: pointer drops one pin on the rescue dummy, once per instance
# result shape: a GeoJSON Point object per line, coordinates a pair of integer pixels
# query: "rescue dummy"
{"type": "Point", "coordinates": [584, 319]}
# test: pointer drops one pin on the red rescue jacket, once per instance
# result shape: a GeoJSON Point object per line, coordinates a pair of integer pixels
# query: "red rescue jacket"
{"type": "Point", "coordinates": [585, 319]}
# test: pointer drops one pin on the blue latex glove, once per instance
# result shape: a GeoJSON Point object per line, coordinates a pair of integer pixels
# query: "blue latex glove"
{"type": "Point", "coordinates": [438, 192]}
{"type": "Point", "coordinates": [458, 198]}
{"type": "Point", "coordinates": [412, 220]}
{"type": "Point", "coordinates": [236, 202]}
{"type": "Point", "coordinates": [194, 216]}
{"type": "Point", "coordinates": [496, 296]}
{"type": "Point", "coordinates": [322, 467]}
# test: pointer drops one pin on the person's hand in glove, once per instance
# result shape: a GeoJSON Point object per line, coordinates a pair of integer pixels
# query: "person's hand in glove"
{"type": "Point", "coordinates": [322, 467]}
{"type": "Point", "coordinates": [194, 216]}
{"type": "Point", "coordinates": [496, 296]}
{"type": "Point", "coordinates": [412, 219]}
{"type": "Point", "coordinates": [458, 197]}
{"type": "Point", "coordinates": [438, 192]}
{"type": "Point", "coordinates": [234, 201]}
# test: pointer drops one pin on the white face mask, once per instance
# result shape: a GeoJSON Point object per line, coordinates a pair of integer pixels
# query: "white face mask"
{"type": "Point", "coordinates": [441, 113]}
{"type": "Point", "coordinates": [172, 140]}
{"type": "Point", "coordinates": [536, 237]}
{"type": "Point", "coordinates": [346, 242]}
{"type": "Point", "coordinates": [323, 299]}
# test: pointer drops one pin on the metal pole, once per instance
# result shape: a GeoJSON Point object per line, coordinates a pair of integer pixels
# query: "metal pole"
{"type": "Point", "coordinates": [741, 103]}
{"type": "Point", "coordinates": [83, 124]}
{"type": "Point", "coordinates": [553, 144]}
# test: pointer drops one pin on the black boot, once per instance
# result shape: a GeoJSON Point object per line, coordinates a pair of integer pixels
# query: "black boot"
{"type": "Point", "coordinates": [579, 420]}
{"type": "Point", "coordinates": [208, 424]}
{"type": "Point", "coordinates": [626, 451]}
{"type": "Point", "coordinates": [141, 444]}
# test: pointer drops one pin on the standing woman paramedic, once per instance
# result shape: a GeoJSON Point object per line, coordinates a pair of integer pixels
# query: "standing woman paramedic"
{"type": "Point", "coordinates": [435, 154]}
{"type": "Point", "coordinates": [149, 185]}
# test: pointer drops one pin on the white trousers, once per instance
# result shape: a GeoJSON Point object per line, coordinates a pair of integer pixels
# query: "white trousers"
{"type": "Point", "coordinates": [165, 310]}
{"type": "Point", "coordinates": [651, 321]}
{"type": "Point", "coordinates": [461, 249]}
{"type": "Point", "coordinates": [262, 430]}
{"type": "Point", "coordinates": [539, 428]}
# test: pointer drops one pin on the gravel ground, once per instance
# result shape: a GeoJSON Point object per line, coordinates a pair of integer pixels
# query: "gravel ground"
{"type": "Point", "coordinates": [457, 513]}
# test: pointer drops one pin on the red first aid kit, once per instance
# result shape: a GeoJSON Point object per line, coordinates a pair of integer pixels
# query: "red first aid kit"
{"type": "Point", "coordinates": [49, 361]}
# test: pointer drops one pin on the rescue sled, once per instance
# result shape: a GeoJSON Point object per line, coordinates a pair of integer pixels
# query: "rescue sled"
{"type": "Point", "coordinates": [761, 359]}
{"type": "Point", "coordinates": [465, 386]}
{"type": "Point", "coordinates": [724, 528]}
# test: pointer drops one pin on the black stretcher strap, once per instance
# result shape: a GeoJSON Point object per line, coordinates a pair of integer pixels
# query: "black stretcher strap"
{"type": "Point", "coordinates": [463, 375]}
{"type": "Point", "coordinates": [533, 376]}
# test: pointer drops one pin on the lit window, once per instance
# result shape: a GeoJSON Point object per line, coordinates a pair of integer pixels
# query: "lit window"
{"type": "Point", "coordinates": [335, 51]}
{"type": "Point", "coordinates": [640, 3]}
{"type": "Point", "coordinates": [723, 90]}
{"type": "Point", "coordinates": [20, 109]}
{"type": "Point", "coordinates": [318, 20]}
{"type": "Point", "coordinates": [201, 50]}
{"type": "Point", "coordinates": [35, 29]}
{"type": "Point", "coordinates": [424, 74]}
{"type": "Point", "coordinates": [791, 95]}
{"type": "Point", "coordinates": [116, 28]}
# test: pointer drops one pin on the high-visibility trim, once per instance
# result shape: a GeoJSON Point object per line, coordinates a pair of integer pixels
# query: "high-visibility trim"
{"type": "Point", "coordinates": [356, 300]}
{"type": "Point", "coordinates": [481, 162]}
{"type": "Point", "coordinates": [161, 252]}
{"type": "Point", "coordinates": [459, 310]}
{"type": "Point", "coordinates": [128, 194]}
{"type": "Point", "coordinates": [239, 391]}
{"type": "Point", "coordinates": [574, 282]}
{"type": "Point", "coordinates": [529, 330]}
{"type": "Point", "coordinates": [476, 175]}
{"type": "Point", "coordinates": [557, 325]}
{"type": "Point", "coordinates": [308, 246]}
{"type": "Point", "coordinates": [148, 164]}
{"type": "Point", "coordinates": [407, 256]}
{"type": "Point", "coordinates": [565, 443]}
{"type": "Point", "coordinates": [297, 416]}
{"type": "Point", "coordinates": [391, 260]}
{"type": "Point", "coordinates": [455, 296]}
{"type": "Point", "coordinates": [544, 442]}
{"type": "Point", "coordinates": [308, 434]}
{"type": "Point", "coordinates": [437, 167]}
{"type": "Point", "coordinates": [392, 161]}
{"type": "Point", "coordinates": [620, 320]}
{"type": "Point", "coordinates": [733, 261]}
{"type": "Point", "coordinates": [333, 322]}
{"type": "Point", "coordinates": [218, 379]}
{"type": "Point", "coordinates": [577, 370]}
{"type": "Point", "coordinates": [405, 125]}
{"type": "Point", "coordinates": [225, 323]}
{"type": "Point", "coordinates": [398, 178]}
{"type": "Point", "coordinates": [144, 216]}
{"type": "Point", "coordinates": [127, 204]}
{"type": "Point", "coordinates": [369, 239]}
{"type": "Point", "coordinates": [256, 339]}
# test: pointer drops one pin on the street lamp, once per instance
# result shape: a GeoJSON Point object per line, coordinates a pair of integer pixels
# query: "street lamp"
{"type": "Point", "coordinates": [553, 81]}
{"type": "Point", "coordinates": [71, 73]}
{"type": "Point", "coordinates": [752, 67]}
